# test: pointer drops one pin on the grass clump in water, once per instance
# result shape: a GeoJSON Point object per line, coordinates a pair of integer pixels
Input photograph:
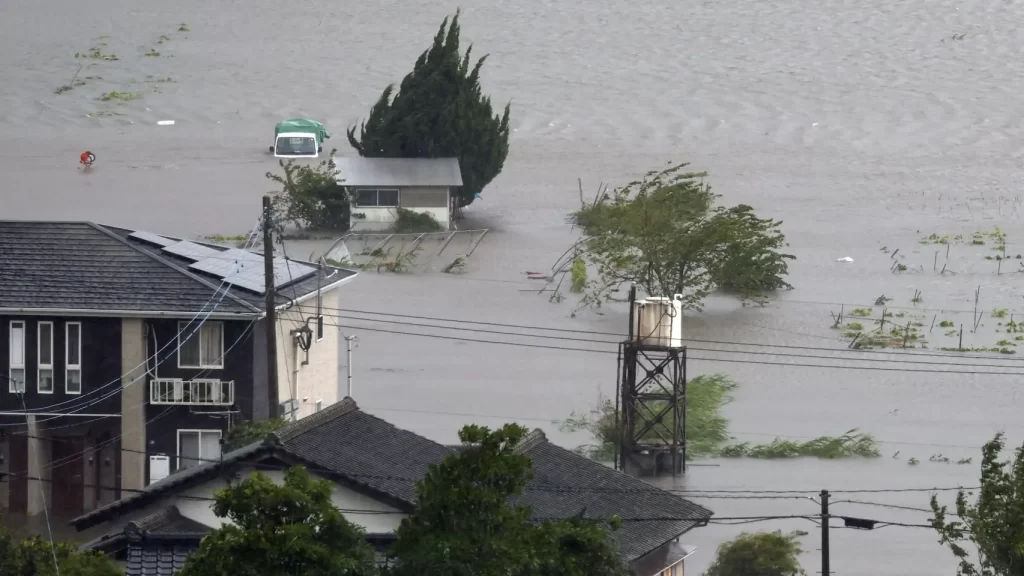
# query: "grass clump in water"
{"type": "Point", "coordinates": [999, 313]}
{"type": "Point", "coordinates": [579, 274]}
{"type": "Point", "coordinates": [862, 312]}
{"type": "Point", "coordinates": [946, 324]}
{"type": "Point", "coordinates": [120, 96]}
{"type": "Point", "coordinates": [707, 430]}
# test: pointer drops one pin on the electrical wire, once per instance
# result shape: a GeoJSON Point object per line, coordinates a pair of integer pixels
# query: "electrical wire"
{"type": "Point", "coordinates": [621, 337]}
{"type": "Point", "coordinates": [689, 348]}
{"type": "Point", "coordinates": [690, 356]}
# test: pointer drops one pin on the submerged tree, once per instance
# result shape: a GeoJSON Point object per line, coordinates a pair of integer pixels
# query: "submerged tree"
{"type": "Point", "coordinates": [761, 554]}
{"type": "Point", "coordinates": [994, 523]}
{"type": "Point", "coordinates": [465, 524]}
{"type": "Point", "coordinates": [292, 529]}
{"type": "Point", "coordinates": [311, 196]}
{"type": "Point", "coordinates": [665, 233]}
{"type": "Point", "coordinates": [440, 111]}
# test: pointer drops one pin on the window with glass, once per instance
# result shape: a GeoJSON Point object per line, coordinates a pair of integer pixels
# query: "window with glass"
{"type": "Point", "coordinates": [16, 374]}
{"type": "Point", "coordinates": [44, 383]}
{"type": "Point", "coordinates": [202, 348]}
{"type": "Point", "coordinates": [376, 198]}
{"type": "Point", "coordinates": [73, 358]}
{"type": "Point", "coordinates": [197, 446]}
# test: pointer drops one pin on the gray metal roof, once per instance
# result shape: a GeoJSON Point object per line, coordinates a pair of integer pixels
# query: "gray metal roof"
{"type": "Point", "coordinates": [402, 172]}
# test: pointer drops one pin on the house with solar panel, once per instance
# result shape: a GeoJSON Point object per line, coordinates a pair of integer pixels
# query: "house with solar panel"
{"type": "Point", "coordinates": [380, 187]}
{"type": "Point", "coordinates": [126, 355]}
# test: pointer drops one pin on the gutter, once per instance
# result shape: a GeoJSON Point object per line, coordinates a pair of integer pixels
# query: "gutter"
{"type": "Point", "coordinates": [310, 295]}
{"type": "Point", "coordinates": [90, 313]}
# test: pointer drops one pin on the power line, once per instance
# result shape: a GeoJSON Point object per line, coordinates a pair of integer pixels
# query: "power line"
{"type": "Point", "coordinates": [689, 348]}
{"type": "Point", "coordinates": [692, 357]}
{"type": "Point", "coordinates": [621, 337]}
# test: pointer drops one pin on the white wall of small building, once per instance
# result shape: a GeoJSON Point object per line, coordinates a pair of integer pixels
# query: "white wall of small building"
{"type": "Point", "coordinates": [317, 380]}
{"type": "Point", "coordinates": [420, 199]}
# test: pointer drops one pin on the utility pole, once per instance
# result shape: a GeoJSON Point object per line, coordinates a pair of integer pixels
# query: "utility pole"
{"type": "Point", "coordinates": [348, 343]}
{"type": "Point", "coordinates": [273, 398]}
{"type": "Point", "coordinates": [824, 533]}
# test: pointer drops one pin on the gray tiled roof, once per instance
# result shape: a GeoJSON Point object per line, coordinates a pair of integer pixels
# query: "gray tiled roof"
{"type": "Point", "coordinates": [401, 172]}
{"type": "Point", "coordinates": [157, 558]}
{"type": "Point", "coordinates": [355, 447]}
{"type": "Point", "coordinates": [566, 483]}
{"type": "Point", "coordinates": [86, 266]}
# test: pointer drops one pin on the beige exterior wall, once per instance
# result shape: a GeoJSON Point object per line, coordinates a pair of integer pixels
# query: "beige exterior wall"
{"type": "Point", "coordinates": [133, 398]}
{"type": "Point", "coordinates": [431, 200]}
{"type": "Point", "coordinates": [317, 380]}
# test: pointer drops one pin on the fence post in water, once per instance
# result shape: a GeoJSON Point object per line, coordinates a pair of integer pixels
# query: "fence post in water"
{"type": "Point", "coordinates": [933, 323]}
{"type": "Point", "coordinates": [935, 261]}
{"type": "Point", "coordinates": [961, 345]}
{"type": "Point", "coordinates": [906, 334]}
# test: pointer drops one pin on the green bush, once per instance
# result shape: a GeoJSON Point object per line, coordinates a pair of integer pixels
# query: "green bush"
{"type": "Point", "coordinates": [410, 222]}
{"type": "Point", "coordinates": [311, 196]}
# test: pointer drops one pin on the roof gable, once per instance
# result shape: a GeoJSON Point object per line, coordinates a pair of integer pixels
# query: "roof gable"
{"type": "Point", "coordinates": [399, 172]}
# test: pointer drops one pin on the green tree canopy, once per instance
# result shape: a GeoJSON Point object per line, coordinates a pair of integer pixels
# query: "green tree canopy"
{"type": "Point", "coordinates": [285, 530]}
{"type": "Point", "coordinates": [440, 111]}
{"type": "Point", "coordinates": [35, 556]}
{"type": "Point", "coordinates": [760, 554]}
{"type": "Point", "coordinates": [311, 196]}
{"type": "Point", "coordinates": [665, 233]}
{"type": "Point", "coordinates": [464, 524]}
{"type": "Point", "coordinates": [994, 522]}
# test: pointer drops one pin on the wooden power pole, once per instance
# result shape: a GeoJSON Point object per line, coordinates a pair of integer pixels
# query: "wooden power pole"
{"type": "Point", "coordinates": [273, 399]}
{"type": "Point", "coordinates": [824, 534]}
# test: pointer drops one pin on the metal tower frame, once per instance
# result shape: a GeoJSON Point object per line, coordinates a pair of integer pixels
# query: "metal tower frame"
{"type": "Point", "coordinates": [652, 409]}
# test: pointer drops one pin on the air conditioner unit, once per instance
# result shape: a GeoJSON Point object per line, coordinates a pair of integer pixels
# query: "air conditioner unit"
{"type": "Point", "coordinates": [658, 322]}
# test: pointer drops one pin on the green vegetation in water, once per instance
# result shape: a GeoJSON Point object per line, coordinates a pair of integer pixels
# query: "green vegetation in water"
{"type": "Point", "coordinates": [1005, 342]}
{"type": "Point", "coordinates": [946, 324]}
{"type": "Point", "coordinates": [401, 261]}
{"type": "Point", "coordinates": [854, 326]}
{"type": "Point", "coordinates": [183, 27]}
{"type": "Point", "coordinates": [162, 39]}
{"type": "Point", "coordinates": [996, 349]}
{"type": "Point", "coordinates": [97, 53]}
{"type": "Point", "coordinates": [103, 114]}
{"type": "Point", "coordinates": [410, 222]}
{"type": "Point", "coordinates": [999, 313]}
{"type": "Point", "coordinates": [881, 300]}
{"type": "Point", "coordinates": [707, 431]}
{"type": "Point", "coordinates": [913, 462]}
{"type": "Point", "coordinates": [579, 274]}
{"type": "Point", "coordinates": [862, 312]}
{"type": "Point", "coordinates": [152, 53]}
{"type": "Point", "coordinates": [120, 96]}
{"type": "Point", "coordinates": [917, 299]}
{"type": "Point", "coordinates": [456, 266]}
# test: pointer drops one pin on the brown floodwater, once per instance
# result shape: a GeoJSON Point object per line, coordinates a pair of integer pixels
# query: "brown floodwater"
{"type": "Point", "coordinates": [862, 125]}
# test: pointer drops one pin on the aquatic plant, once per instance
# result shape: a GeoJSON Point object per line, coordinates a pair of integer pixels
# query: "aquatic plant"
{"type": "Point", "coordinates": [917, 299]}
{"type": "Point", "coordinates": [707, 430]}
{"type": "Point", "coordinates": [863, 312]}
{"type": "Point", "coordinates": [184, 28]}
{"type": "Point", "coordinates": [998, 313]}
{"type": "Point", "coordinates": [579, 274]}
{"type": "Point", "coordinates": [152, 53]}
{"type": "Point", "coordinates": [120, 96]}
{"type": "Point", "coordinates": [946, 324]}
{"type": "Point", "coordinates": [456, 266]}
{"type": "Point", "coordinates": [854, 326]}
{"type": "Point", "coordinates": [881, 300]}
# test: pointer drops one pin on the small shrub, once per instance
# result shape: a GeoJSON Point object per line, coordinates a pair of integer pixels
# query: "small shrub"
{"type": "Point", "coordinates": [410, 222]}
{"type": "Point", "coordinates": [579, 274]}
{"type": "Point", "coordinates": [946, 324]}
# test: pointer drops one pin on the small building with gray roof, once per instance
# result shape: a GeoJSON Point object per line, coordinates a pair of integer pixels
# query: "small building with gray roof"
{"type": "Point", "coordinates": [380, 187]}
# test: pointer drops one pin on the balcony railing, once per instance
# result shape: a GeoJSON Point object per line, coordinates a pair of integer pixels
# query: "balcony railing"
{"type": "Point", "coordinates": [198, 392]}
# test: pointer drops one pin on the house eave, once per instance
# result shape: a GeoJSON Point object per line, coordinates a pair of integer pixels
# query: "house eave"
{"type": "Point", "coordinates": [312, 294]}
{"type": "Point", "coordinates": [113, 313]}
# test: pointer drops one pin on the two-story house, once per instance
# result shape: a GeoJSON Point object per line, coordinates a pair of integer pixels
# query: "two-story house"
{"type": "Point", "coordinates": [126, 355]}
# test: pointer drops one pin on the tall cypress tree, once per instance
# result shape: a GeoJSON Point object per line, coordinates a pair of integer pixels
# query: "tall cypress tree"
{"type": "Point", "coordinates": [440, 111]}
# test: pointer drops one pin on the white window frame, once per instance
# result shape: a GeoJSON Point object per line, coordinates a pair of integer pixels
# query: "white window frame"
{"type": "Point", "coordinates": [68, 366]}
{"type": "Point", "coordinates": [202, 459]}
{"type": "Point", "coordinates": [12, 365]}
{"type": "Point", "coordinates": [40, 367]}
{"type": "Point", "coordinates": [185, 328]}
{"type": "Point", "coordinates": [377, 191]}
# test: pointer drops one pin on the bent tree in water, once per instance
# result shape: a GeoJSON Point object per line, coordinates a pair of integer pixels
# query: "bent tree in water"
{"type": "Point", "coordinates": [993, 523]}
{"type": "Point", "coordinates": [665, 233]}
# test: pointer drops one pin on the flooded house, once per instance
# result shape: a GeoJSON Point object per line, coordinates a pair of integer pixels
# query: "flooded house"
{"type": "Point", "coordinates": [125, 356]}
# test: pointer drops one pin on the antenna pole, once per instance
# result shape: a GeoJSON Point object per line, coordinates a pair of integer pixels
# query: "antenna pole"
{"type": "Point", "coordinates": [273, 397]}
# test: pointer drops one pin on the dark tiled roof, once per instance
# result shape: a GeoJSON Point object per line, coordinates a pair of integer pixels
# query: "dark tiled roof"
{"type": "Point", "coordinates": [166, 522]}
{"type": "Point", "coordinates": [86, 266]}
{"type": "Point", "coordinates": [364, 449]}
{"type": "Point", "coordinates": [157, 558]}
{"type": "Point", "coordinates": [360, 449]}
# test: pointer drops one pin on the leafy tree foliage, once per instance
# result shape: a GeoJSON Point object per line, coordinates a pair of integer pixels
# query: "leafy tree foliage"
{"type": "Point", "coordinates": [34, 556]}
{"type": "Point", "coordinates": [761, 554]}
{"type": "Point", "coordinates": [440, 111]}
{"type": "Point", "coordinates": [292, 529]}
{"type": "Point", "coordinates": [311, 196]}
{"type": "Point", "coordinates": [464, 524]}
{"type": "Point", "coordinates": [665, 233]}
{"type": "Point", "coordinates": [994, 523]}
{"type": "Point", "coordinates": [249, 431]}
